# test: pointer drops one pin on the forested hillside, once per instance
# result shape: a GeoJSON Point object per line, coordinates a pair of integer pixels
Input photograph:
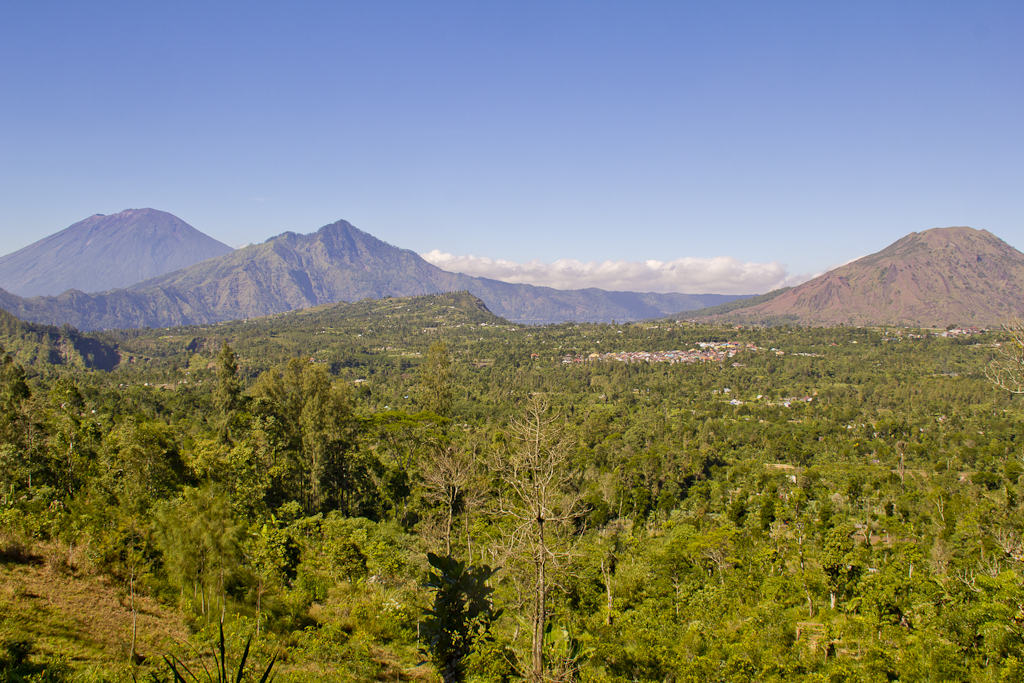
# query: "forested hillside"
{"type": "Point", "coordinates": [657, 501]}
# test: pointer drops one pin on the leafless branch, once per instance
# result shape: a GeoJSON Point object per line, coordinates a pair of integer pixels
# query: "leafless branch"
{"type": "Point", "coordinates": [1006, 370]}
{"type": "Point", "coordinates": [1009, 542]}
{"type": "Point", "coordinates": [967, 578]}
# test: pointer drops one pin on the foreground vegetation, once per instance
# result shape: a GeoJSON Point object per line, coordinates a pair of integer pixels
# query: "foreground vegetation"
{"type": "Point", "coordinates": [805, 504]}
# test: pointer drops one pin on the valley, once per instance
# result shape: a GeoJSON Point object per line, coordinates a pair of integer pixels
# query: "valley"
{"type": "Point", "coordinates": [797, 503]}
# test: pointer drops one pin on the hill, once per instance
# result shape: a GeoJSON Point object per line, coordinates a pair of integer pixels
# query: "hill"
{"type": "Point", "coordinates": [721, 309]}
{"type": "Point", "coordinates": [106, 252]}
{"type": "Point", "coordinates": [936, 278]}
{"type": "Point", "coordinates": [337, 263]}
{"type": "Point", "coordinates": [340, 335]}
{"type": "Point", "coordinates": [34, 344]}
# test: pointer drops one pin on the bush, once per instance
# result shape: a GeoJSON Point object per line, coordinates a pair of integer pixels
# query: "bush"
{"type": "Point", "coordinates": [16, 538]}
{"type": "Point", "coordinates": [16, 665]}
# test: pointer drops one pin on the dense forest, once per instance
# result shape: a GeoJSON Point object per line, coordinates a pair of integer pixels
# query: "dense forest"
{"type": "Point", "coordinates": [414, 488]}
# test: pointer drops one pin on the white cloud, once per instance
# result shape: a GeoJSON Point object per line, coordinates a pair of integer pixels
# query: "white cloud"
{"type": "Point", "coordinates": [719, 275]}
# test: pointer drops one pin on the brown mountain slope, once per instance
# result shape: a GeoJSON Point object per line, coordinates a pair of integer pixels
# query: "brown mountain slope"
{"type": "Point", "coordinates": [936, 278]}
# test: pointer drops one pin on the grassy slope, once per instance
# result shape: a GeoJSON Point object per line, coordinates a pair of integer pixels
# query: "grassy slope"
{"type": "Point", "coordinates": [730, 306]}
{"type": "Point", "coordinates": [86, 621]}
{"type": "Point", "coordinates": [82, 618]}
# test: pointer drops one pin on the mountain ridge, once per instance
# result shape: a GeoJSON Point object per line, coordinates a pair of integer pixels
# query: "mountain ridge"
{"type": "Point", "coordinates": [338, 262]}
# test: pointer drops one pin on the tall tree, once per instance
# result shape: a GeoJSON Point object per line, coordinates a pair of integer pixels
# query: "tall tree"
{"type": "Point", "coordinates": [318, 420]}
{"type": "Point", "coordinates": [199, 539]}
{"type": "Point", "coordinates": [447, 472]}
{"type": "Point", "coordinates": [13, 392]}
{"type": "Point", "coordinates": [228, 392]}
{"type": "Point", "coordinates": [15, 466]}
{"type": "Point", "coordinates": [436, 380]}
{"type": "Point", "coordinates": [71, 438]}
{"type": "Point", "coordinates": [228, 388]}
{"type": "Point", "coordinates": [538, 497]}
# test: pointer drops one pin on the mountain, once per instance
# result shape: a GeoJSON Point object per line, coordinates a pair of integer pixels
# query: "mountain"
{"type": "Point", "coordinates": [935, 278]}
{"type": "Point", "coordinates": [107, 252]}
{"type": "Point", "coordinates": [337, 263]}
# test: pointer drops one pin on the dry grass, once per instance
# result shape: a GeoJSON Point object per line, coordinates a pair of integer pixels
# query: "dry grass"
{"type": "Point", "coordinates": [68, 612]}
{"type": "Point", "coordinates": [82, 618]}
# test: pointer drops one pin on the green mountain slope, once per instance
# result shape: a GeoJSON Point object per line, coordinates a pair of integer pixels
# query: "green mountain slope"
{"type": "Point", "coordinates": [737, 305]}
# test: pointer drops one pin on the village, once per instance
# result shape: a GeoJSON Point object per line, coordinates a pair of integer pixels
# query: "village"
{"type": "Point", "coordinates": [716, 352]}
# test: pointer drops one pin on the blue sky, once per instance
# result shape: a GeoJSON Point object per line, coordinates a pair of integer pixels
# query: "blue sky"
{"type": "Point", "coordinates": [747, 141]}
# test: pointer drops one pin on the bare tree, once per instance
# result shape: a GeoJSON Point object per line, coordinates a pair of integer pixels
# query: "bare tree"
{"type": "Point", "coordinates": [1006, 370]}
{"type": "Point", "coordinates": [1009, 541]}
{"type": "Point", "coordinates": [538, 498]}
{"type": "Point", "coordinates": [447, 472]}
{"type": "Point", "coordinates": [436, 380]}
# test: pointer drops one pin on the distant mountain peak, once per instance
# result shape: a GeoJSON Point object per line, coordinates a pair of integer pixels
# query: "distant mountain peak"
{"type": "Point", "coordinates": [937, 277]}
{"type": "Point", "coordinates": [106, 252]}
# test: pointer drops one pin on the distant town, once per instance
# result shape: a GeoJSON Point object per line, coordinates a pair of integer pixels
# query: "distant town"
{"type": "Point", "coordinates": [719, 352]}
{"type": "Point", "coordinates": [716, 352]}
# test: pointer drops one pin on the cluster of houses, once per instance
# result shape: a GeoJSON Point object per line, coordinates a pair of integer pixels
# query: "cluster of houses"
{"type": "Point", "coordinates": [953, 332]}
{"type": "Point", "coordinates": [962, 332]}
{"type": "Point", "coordinates": [714, 352]}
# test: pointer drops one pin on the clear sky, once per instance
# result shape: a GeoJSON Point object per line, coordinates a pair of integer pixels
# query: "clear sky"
{"type": "Point", "coordinates": [745, 141]}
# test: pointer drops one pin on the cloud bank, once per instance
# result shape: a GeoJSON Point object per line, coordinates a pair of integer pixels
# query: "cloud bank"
{"type": "Point", "coordinates": [719, 275]}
